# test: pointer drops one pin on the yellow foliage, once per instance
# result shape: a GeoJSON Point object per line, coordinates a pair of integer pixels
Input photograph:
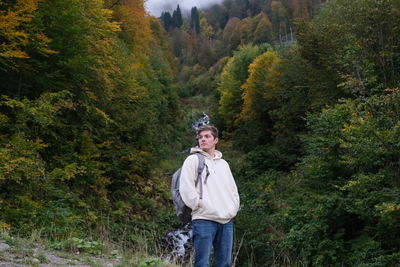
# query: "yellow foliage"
{"type": "Point", "coordinates": [260, 85]}
{"type": "Point", "coordinates": [135, 25]}
{"type": "Point", "coordinates": [103, 114]}
{"type": "Point", "coordinates": [3, 119]}
{"type": "Point", "coordinates": [102, 46]}
{"type": "Point", "coordinates": [350, 184]}
{"type": "Point", "coordinates": [4, 227]}
{"type": "Point", "coordinates": [18, 160]}
{"type": "Point", "coordinates": [17, 33]}
{"type": "Point", "coordinates": [14, 54]}
{"type": "Point", "coordinates": [207, 30]}
{"type": "Point", "coordinates": [387, 207]}
{"type": "Point", "coordinates": [69, 172]}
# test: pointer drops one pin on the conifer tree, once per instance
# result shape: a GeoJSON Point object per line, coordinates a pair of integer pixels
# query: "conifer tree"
{"type": "Point", "coordinates": [174, 20]}
{"type": "Point", "coordinates": [167, 20]}
{"type": "Point", "coordinates": [195, 20]}
{"type": "Point", "coordinates": [179, 19]}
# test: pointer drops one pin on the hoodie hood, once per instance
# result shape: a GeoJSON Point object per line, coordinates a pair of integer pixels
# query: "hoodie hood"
{"type": "Point", "coordinates": [218, 154]}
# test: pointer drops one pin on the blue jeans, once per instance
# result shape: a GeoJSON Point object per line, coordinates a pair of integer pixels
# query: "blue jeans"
{"type": "Point", "coordinates": [207, 234]}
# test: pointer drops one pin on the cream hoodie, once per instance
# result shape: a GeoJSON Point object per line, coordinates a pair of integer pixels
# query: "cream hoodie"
{"type": "Point", "coordinates": [220, 201]}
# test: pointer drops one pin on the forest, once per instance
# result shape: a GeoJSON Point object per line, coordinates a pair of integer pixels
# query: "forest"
{"type": "Point", "coordinates": [98, 96]}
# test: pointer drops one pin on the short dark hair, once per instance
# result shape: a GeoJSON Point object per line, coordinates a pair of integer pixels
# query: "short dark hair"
{"type": "Point", "coordinates": [213, 129]}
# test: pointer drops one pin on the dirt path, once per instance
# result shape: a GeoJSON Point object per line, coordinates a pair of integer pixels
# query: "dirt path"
{"type": "Point", "coordinates": [22, 255]}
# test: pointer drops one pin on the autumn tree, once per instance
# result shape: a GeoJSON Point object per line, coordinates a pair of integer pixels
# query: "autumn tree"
{"type": "Point", "coordinates": [297, 9]}
{"type": "Point", "coordinates": [84, 120]}
{"type": "Point", "coordinates": [207, 31]}
{"type": "Point", "coordinates": [258, 94]}
{"type": "Point", "coordinates": [135, 25]}
{"type": "Point", "coordinates": [279, 20]}
{"type": "Point", "coordinates": [263, 29]}
{"type": "Point", "coordinates": [21, 38]}
{"type": "Point", "coordinates": [233, 77]}
{"type": "Point", "coordinates": [230, 35]}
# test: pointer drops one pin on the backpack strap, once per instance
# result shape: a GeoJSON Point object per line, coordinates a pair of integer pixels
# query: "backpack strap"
{"type": "Point", "coordinates": [200, 169]}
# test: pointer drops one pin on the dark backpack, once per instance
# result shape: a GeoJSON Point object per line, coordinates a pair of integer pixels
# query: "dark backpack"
{"type": "Point", "coordinates": [182, 211]}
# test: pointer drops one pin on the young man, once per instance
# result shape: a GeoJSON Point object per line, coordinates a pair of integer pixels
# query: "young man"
{"type": "Point", "coordinates": [212, 215]}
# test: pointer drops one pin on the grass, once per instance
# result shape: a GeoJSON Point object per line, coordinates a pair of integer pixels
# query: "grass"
{"type": "Point", "coordinates": [35, 251]}
{"type": "Point", "coordinates": [42, 258]}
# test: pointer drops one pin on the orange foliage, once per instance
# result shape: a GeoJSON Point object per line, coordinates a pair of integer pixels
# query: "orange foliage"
{"type": "Point", "coordinates": [229, 29]}
{"type": "Point", "coordinates": [299, 8]}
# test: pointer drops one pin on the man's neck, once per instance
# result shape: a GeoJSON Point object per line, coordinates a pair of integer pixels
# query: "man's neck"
{"type": "Point", "coordinates": [210, 152]}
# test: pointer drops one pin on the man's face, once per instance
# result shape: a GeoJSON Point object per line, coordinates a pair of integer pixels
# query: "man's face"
{"type": "Point", "coordinates": [207, 140]}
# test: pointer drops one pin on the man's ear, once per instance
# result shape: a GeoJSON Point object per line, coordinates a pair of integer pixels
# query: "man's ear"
{"type": "Point", "coordinates": [216, 140]}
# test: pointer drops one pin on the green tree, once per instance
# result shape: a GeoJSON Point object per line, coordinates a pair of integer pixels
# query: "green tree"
{"type": "Point", "coordinates": [351, 180]}
{"type": "Point", "coordinates": [237, 8]}
{"type": "Point", "coordinates": [167, 20]}
{"type": "Point", "coordinates": [356, 40]}
{"type": "Point", "coordinates": [195, 20]}
{"type": "Point", "coordinates": [177, 17]}
{"type": "Point", "coordinates": [217, 16]}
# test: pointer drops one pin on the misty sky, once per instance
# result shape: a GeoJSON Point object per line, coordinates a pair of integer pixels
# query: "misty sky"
{"type": "Point", "coordinates": [155, 7]}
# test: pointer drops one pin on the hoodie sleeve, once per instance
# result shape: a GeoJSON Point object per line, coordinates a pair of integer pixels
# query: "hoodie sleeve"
{"type": "Point", "coordinates": [187, 182]}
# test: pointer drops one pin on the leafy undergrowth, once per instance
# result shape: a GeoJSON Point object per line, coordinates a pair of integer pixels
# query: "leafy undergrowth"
{"type": "Point", "coordinates": [15, 251]}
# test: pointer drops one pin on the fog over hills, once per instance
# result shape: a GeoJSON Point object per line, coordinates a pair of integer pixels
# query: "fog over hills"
{"type": "Point", "coordinates": [155, 7]}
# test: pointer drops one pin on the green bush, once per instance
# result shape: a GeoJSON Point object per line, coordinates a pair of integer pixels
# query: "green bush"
{"type": "Point", "coordinates": [347, 207]}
